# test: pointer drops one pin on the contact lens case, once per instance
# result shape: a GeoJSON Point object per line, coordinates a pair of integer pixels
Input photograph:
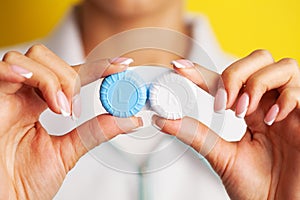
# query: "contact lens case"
{"type": "Point", "coordinates": [169, 95]}
{"type": "Point", "coordinates": [123, 94]}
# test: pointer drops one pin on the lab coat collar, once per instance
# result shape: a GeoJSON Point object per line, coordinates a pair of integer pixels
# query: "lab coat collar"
{"type": "Point", "coordinates": [66, 41]}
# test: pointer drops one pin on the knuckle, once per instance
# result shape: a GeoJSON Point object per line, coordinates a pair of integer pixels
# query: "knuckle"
{"type": "Point", "coordinates": [70, 81]}
{"type": "Point", "coordinates": [11, 56]}
{"type": "Point", "coordinates": [72, 75]}
{"type": "Point", "coordinates": [49, 82]}
{"type": "Point", "coordinates": [36, 49]}
{"type": "Point", "coordinates": [256, 85]}
{"type": "Point", "coordinates": [263, 53]}
{"type": "Point", "coordinates": [288, 95]}
{"type": "Point", "coordinates": [229, 73]}
{"type": "Point", "coordinates": [290, 62]}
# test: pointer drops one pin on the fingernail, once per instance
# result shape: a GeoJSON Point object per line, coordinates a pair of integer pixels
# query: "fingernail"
{"type": "Point", "coordinates": [139, 125]}
{"type": "Point", "coordinates": [63, 104]}
{"type": "Point", "coordinates": [76, 107]}
{"type": "Point", "coordinates": [157, 122]}
{"type": "Point", "coordinates": [181, 64]}
{"type": "Point", "coordinates": [121, 61]}
{"type": "Point", "coordinates": [220, 101]}
{"type": "Point", "coordinates": [271, 115]}
{"type": "Point", "coordinates": [21, 71]}
{"type": "Point", "coordinates": [128, 125]}
{"type": "Point", "coordinates": [242, 106]}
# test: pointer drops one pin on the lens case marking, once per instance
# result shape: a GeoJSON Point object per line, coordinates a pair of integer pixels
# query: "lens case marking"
{"type": "Point", "coordinates": [123, 94]}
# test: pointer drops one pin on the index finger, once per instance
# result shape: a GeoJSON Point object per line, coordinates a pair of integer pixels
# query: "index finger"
{"type": "Point", "coordinates": [206, 79]}
{"type": "Point", "coordinates": [92, 71]}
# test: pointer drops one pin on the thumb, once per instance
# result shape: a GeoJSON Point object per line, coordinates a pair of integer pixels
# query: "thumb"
{"type": "Point", "coordinates": [217, 151]}
{"type": "Point", "coordinates": [92, 133]}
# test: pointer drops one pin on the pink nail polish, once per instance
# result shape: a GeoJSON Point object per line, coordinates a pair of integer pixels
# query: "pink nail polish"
{"type": "Point", "coordinates": [63, 104]}
{"type": "Point", "coordinates": [242, 106]}
{"type": "Point", "coordinates": [181, 64]}
{"type": "Point", "coordinates": [76, 107]}
{"type": "Point", "coordinates": [21, 71]}
{"type": "Point", "coordinates": [121, 61]}
{"type": "Point", "coordinates": [220, 101]}
{"type": "Point", "coordinates": [271, 115]}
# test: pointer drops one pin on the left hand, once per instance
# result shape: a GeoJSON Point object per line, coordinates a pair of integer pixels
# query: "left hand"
{"type": "Point", "coordinates": [33, 163]}
{"type": "Point", "coordinates": [265, 163]}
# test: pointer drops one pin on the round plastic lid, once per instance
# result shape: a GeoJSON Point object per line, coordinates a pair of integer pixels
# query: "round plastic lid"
{"type": "Point", "coordinates": [172, 96]}
{"type": "Point", "coordinates": [123, 94]}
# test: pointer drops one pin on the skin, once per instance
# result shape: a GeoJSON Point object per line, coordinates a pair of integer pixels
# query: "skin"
{"type": "Point", "coordinates": [265, 163]}
{"type": "Point", "coordinates": [100, 20]}
{"type": "Point", "coordinates": [33, 164]}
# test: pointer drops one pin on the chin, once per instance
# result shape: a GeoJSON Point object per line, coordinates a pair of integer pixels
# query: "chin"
{"type": "Point", "coordinates": [129, 8]}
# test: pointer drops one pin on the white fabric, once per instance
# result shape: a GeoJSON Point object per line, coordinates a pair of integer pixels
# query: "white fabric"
{"type": "Point", "coordinates": [189, 177]}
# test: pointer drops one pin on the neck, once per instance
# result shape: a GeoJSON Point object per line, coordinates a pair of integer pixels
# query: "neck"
{"type": "Point", "coordinates": [97, 25]}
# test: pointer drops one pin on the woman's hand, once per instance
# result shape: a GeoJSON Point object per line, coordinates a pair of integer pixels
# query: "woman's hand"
{"type": "Point", "coordinates": [265, 164]}
{"type": "Point", "coordinates": [33, 164]}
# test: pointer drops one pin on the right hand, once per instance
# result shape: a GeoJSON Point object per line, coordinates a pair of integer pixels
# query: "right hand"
{"type": "Point", "coordinates": [265, 163]}
{"type": "Point", "coordinates": [33, 164]}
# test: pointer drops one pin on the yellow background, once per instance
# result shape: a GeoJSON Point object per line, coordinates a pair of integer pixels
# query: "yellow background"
{"type": "Point", "coordinates": [240, 26]}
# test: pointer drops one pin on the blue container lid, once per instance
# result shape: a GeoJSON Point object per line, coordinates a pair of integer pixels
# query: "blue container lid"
{"type": "Point", "coordinates": [123, 94]}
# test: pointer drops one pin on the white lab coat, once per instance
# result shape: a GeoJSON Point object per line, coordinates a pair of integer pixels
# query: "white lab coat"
{"type": "Point", "coordinates": [188, 177]}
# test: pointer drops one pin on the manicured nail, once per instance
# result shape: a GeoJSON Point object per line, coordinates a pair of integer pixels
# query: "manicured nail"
{"type": "Point", "coordinates": [181, 64]}
{"type": "Point", "coordinates": [63, 104]}
{"type": "Point", "coordinates": [271, 115]}
{"type": "Point", "coordinates": [122, 61]}
{"type": "Point", "coordinates": [220, 101]}
{"type": "Point", "coordinates": [242, 106]}
{"type": "Point", "coordinates": [21, 71]}
{"type": "Point", "coordinates": [157, 122]}
{"type": "Point", "coordinates": [76, 107]}
{"type": "Point", "coordinates": [128, 125]}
